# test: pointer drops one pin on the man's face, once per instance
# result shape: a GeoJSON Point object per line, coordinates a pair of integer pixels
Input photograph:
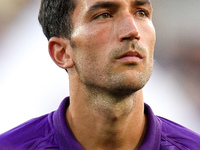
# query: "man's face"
{"type": "Point", "coordinates": [113, 43]}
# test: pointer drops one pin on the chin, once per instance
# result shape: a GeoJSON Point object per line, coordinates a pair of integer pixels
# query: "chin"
{"type": "Point", "coordinates": [125, 90]}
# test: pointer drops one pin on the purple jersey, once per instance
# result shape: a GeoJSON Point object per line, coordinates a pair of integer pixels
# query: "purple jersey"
{"type": "Point", "coordinates": [52, 132]}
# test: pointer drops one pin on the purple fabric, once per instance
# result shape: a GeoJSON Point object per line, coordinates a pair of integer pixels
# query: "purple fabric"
{"type": "Point", "coordinates": [51, 132]}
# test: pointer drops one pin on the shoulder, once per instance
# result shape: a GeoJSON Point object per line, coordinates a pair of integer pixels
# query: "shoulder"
{"type": "Point", "coordinates": [29, 135]}
{"type": "Point", "coordinates": [177, 135]}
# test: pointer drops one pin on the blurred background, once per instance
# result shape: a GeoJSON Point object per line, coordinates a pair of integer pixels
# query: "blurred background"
{"type": "Point", "coordinates": [32, 85]}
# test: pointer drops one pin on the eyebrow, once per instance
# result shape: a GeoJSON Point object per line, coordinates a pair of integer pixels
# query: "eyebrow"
{"type": "Point", "coordinates": [101, 5]}
{"type": "Point", "coordinates": [108, 4]}
{"type": "Point", "coordinates": [145, 3]}
{"type": "Point", "coordinates": [141, 2]}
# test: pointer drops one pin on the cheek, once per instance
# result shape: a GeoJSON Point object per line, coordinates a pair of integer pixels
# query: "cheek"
{"type": "Point", "coordinates": [152, 35]}
{"type": "Point", "coordinates": [91, 37]}
{"type": "Point", "coordinates": [90, 45]}
{"type": "Point", "coordinates": [149, 38]}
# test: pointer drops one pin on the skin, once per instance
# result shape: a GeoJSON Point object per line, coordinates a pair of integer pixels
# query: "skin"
{"type": "Point", "coordinates": [106, 101]}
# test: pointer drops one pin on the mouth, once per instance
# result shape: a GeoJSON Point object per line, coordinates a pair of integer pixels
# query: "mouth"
{"type": "Point", "coordinates": [130, 57]}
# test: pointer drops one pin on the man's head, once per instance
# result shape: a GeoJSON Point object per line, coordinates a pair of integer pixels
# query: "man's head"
{"type": "Point", "coordinates": [55, 17]}
{"type": "Point", "coordinates": [111, 45]}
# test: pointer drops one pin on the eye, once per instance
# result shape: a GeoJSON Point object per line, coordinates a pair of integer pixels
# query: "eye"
{"type": "Point", "coordinates": [142, 13]}
{"type": "Point", "coordinates": [103, 16]}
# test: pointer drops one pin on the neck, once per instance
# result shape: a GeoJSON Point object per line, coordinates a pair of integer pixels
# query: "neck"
{"type": "Point", "coordinates": [103, 122]}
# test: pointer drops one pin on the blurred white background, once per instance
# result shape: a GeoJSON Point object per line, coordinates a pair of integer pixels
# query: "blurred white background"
{"type": "Point", "coordinates": [32, 85]}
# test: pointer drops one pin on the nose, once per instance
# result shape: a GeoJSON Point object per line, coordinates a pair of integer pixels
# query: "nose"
{"type": "Point", "coordinates": [128, 29]}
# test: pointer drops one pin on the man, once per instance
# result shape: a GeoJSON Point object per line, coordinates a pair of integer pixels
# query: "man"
{"type": "Point", "coordinates": [107, 48]}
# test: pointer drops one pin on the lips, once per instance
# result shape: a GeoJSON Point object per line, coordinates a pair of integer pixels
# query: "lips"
{"type": "Point", "coordinates": [130, 57]}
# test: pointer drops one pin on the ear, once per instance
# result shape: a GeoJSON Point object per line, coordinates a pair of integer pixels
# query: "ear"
{"type": "Point", "coordinates": [61, 52]}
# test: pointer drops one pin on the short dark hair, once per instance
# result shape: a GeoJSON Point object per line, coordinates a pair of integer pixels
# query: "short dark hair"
{"type": "Point", "coordinates": [55, 17]}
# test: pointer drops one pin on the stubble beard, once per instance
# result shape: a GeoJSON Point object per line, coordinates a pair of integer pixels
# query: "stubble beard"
{"type": "Point", "coordinates": [122, 86]}
{"type": "Point", "coordinates": [118, 86]}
